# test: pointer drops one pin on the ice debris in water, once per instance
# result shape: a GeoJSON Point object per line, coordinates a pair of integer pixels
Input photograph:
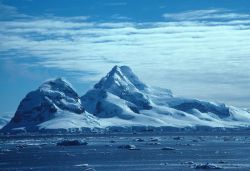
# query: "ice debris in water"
{"type": "Point", "coordinates": [71, 143]}
{"type": "Point", "coordinates": [128, 146]}
{"type": "Point", "coordinates": [168, 148]}
{"type": "Point", "coordinates": [206, 166]}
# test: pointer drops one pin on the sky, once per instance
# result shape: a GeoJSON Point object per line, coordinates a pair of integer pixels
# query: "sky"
{"type": "Point", "coordinates": [197, 48]}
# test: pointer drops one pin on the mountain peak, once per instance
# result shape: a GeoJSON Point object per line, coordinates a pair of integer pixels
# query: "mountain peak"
{"type": "Point", "coordinates": [58, 84]}
{"type": "Point", "coordinates": [122, 82]}
{"type": "Point", "coordinates": [122, 77]}
{"type": "Point", "coordinates": [120, 69]}
{"type": "Point", "coordinates": [61, 93]}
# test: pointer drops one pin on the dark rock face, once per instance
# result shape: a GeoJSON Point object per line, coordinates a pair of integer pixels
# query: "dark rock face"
{"type": "Point", "coordinates": [44, 109]}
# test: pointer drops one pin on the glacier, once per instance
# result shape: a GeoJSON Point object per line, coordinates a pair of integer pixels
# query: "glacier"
{"type": "Point", "coordinates": [120, 100]}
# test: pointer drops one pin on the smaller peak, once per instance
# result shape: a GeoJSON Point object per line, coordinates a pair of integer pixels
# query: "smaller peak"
{"type": "Point", "coordinates": [57, 82]}
{"type": "Point", "coordinates": [60, 79]}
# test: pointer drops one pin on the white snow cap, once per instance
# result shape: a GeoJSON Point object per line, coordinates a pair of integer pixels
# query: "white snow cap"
{"type": "Point", "coordinates": [123, 77]}
{"type": "Point", "coordinates": [58, 84]}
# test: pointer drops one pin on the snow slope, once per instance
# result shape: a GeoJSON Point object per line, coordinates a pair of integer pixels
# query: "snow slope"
{"type": "Point", "coordinates": [119, 99]}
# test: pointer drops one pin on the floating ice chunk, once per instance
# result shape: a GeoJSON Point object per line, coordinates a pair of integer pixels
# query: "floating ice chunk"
{"type": "Point", "coordinates": [206, 166]}
{"type": "Point", "coordinates": [168, 148]}
{"type": "Point", "coordinates": [128, 146]}
{"type": "Point", "coordinates": [71, 143]}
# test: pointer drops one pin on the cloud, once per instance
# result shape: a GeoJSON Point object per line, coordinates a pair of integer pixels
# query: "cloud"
{"type": "Point", "coordinates": [208, 14]}
{"type": "Point", "coordinates": [189, 55]}
{"type": "Point", "coordinates": [63, 44]}
{"type": "Point", "coordinates": [116, 4]}
{"type": "Point", "coordinates": [9, 12]}
{"type": "Point", "coordinates": [119, 17]}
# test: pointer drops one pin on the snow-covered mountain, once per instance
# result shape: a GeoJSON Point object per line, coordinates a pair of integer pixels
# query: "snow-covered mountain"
{"type": "Point", "coordinates": [119, 99]}
{"type": "Point", "coordinates": [53, 105]}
